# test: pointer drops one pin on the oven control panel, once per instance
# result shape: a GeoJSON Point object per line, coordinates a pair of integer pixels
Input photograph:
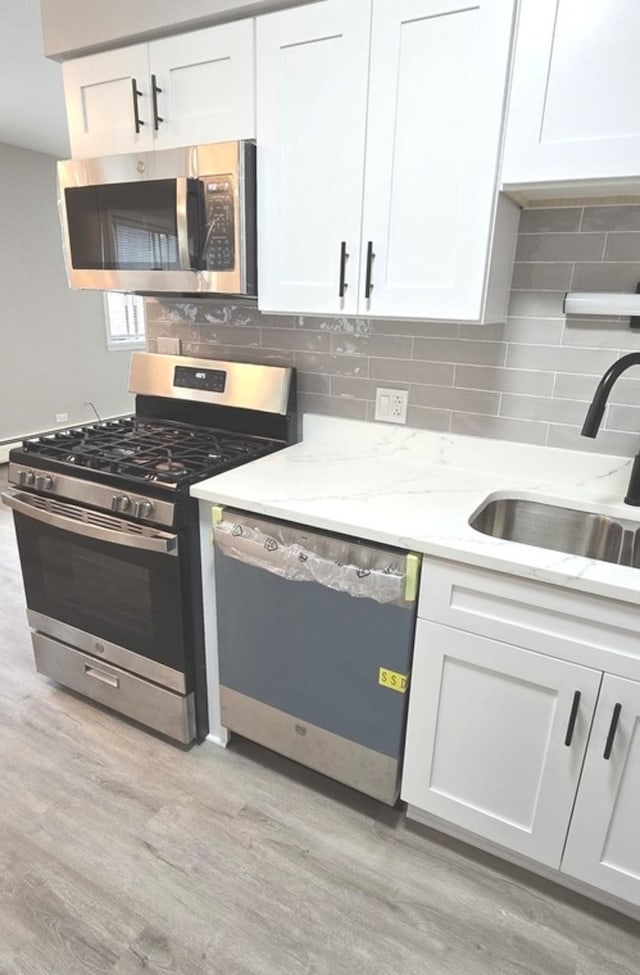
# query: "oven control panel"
{"type": "Point", "coordinates": [211, 380]}
{"type": "Point", "coordinates": [91, 494]}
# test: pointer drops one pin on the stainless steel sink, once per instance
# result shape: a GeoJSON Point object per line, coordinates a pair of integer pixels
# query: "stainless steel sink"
{"type": "Point", "coordinates": [567, 530]}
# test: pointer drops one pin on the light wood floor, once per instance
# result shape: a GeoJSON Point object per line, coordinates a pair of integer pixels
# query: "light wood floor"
{"type": "Point", "coordinates": [121, 854]}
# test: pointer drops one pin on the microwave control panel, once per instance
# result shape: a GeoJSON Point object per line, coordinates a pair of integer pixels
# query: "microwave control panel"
{"type": "Point", "coordinates": [219, 245]}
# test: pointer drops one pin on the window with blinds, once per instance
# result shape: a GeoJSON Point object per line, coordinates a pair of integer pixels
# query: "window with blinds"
{"type": "Point", "coordinates": [125, 320]}
{"type": "Point", "coordinates": [139, 246]}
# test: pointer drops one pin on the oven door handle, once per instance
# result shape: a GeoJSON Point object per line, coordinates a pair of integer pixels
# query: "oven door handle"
{"type": "Point", "coordinates": [163, 543]}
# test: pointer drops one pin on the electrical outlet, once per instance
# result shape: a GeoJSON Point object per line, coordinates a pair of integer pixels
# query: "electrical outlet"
{"type": "Point", "coordinates": [391, 405]}
{"type": "Point", "coordinates": [62, 417]}
{"type": "Point", "coordinates": [168, 345]}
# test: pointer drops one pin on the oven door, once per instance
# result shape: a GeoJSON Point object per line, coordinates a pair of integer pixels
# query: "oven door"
{"type": "Point", "coordinates": [109, 587]}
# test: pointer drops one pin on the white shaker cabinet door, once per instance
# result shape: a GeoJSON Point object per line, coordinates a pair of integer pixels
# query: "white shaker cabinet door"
{"type": "Point", "coordinates": [490, 744]}
{"type": "Point", "coordinates": [436, 102]}
{"type": "Point", "coordinates": [603, 848]}
{"type": "Point", "coordinates": [207, 86]}
{"type": "Point", "coordinates": [312, 70]}
{"type": "Point", "coordinates": [102, 106]}
{"type": "Point", "coordinates": [573, 111]}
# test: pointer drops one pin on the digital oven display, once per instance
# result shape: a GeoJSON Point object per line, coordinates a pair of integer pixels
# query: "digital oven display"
{"type": "Point", "coordinates": [213, 380]}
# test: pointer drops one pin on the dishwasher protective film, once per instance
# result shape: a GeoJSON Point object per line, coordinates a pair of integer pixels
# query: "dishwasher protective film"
{"type": "Point", "coordinates": [302, 555]}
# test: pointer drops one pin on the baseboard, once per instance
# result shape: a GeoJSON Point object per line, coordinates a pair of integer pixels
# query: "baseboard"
{"type": "Point", "coordinates": [221, 741]}
{"type": "Point", "coordinates": [4, 450]}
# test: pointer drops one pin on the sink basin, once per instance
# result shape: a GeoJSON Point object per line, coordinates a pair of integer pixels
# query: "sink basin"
{"type": "Point", "coordinates": [567, 530]}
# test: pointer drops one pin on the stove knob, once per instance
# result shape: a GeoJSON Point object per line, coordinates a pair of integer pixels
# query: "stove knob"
{"type": "Point", "coordinates": [43, 482]}
{"type": "Point", "coordinates": [144, 509]}
{"type": "Point", "coordinates": [120, 503]}
{"type": "Point", "coordinates": [26, 478]}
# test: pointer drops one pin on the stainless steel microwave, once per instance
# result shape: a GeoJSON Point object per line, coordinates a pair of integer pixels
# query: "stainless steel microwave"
{"type": "Point", "coordinates": [181, 221]}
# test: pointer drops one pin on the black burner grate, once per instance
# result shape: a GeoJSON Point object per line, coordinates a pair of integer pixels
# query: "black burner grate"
{"type": "Point", "coordinates": [162, 452]}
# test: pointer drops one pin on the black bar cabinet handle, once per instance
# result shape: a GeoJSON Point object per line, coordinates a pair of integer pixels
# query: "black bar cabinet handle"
{"type": "Point", "coordinates": [136, 94]}
{"type": "Point", "coordinates": [343, 268]}
{"type": "Point", "coordinates": [155, 89]}
{"type": "Point", "coordinates": [368, 287]}
{"type": "Point", "coordinates": [572, 718]}
{"type": "Point", "coordinates": [613, 727]}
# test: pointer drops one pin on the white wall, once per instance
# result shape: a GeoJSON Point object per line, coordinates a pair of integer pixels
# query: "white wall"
{"type": "Point", "coordinates": [53, 355]}
{"type": "Point", "coordinates": [71, 28]}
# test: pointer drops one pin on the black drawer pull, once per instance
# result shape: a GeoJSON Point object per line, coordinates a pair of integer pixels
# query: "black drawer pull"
{"type": "Point", "coordinates": [136, 94]}
{"type": "Point", "coordinates": [368, 287]}
{"type": "Point", "coordinates": [155, 89]}
{"type": "Point", "coordinates": [343, 269]}
{"type": "Point", "coordinates": [572, 718]}
{"type": "Point", "coordinates": [613, 727]}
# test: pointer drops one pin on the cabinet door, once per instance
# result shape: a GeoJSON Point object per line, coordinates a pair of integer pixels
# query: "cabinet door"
{"type": "Point", "coordinates": [207, 82]}
{"type": "Point", "coordinates": [603, 847]}
{"type": "Point", "coordinates": [486, 738]}
{"type": "Point", "coordinates": [573, 112]}
{"type": "Point", "coordinates": [312, 67]}
{"type": "Point", "coordinates": [100, 102]}
{"type": "Point", "coordinates": [436, 99]}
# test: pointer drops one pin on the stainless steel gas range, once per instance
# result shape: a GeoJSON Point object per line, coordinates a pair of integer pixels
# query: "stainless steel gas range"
{"type": "Point", "coordinates": [108, 535]}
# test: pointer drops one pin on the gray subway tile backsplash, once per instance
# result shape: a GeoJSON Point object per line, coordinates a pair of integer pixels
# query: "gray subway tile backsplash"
{"type": "Point", "coordinates": [411, 371]}
{"type": "Point", "coordinates": [560, 247]}
{"type": "Point", "coordinates": [621, 216]}
{"type": "Point", "coordinates": [607, 277]}
{"type": "Point", "coordinates": [558, 358]}
{"type": "Point", "coordinates": [549, 409]}
{"type": "Point", "coordinates": [542, 276]}
{"type": "Point", "coordinates": [540, 304]}
{"type": "Point", "coordinates": [548, 220]}
{"type": "Point", "coordinates": [529, 380]}
{"type": "Point", "coordinates": [607, 441]}
{"type": "Point", "coordinates": [623, 418]}
{"type": "Point", "coordinates": [460, 350]}
{"type": "Point", "coordinates": [622, 247]}
{"type": "Point", "coordinates": [499, 428]}
{"type": "Point", "coordinates": [626, 392]}
{"type": "Point", "coordinates": [456, 399]}
{"type": "Point", "coordinates": [504, 380]}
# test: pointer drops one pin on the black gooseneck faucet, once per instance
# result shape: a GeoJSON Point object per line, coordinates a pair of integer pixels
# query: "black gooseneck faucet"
{"type": "Point", "coordinates": [593, 419]}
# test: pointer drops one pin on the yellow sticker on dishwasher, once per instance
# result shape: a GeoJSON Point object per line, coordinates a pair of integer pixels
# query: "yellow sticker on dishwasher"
{"type": "Point", "coordinates": [393, 680]}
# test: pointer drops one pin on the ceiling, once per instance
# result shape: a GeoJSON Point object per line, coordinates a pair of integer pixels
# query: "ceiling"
{"type": "Point", "coordinates": [32, 113]}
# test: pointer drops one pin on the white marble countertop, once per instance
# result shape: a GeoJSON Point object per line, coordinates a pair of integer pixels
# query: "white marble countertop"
{"type": "Point", "coordinates": [417, 490]}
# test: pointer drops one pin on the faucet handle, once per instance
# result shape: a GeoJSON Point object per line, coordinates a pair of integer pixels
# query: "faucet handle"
{"type": "Point", "coordinates": [633, 490]}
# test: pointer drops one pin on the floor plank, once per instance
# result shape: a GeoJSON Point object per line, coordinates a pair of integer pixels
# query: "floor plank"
{"type": "Point", "coordinates": [121, 854]}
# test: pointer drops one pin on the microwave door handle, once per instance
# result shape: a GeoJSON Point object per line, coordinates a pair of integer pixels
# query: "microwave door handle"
{"type": "Point", "coordinates": [163, 544]}
{"type": "Point", "coordinates": [182, 224]}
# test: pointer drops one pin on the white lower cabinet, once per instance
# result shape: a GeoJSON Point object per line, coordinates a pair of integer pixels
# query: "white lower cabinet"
{"type": "Point", "coordinates": [603, 847]}
{"type": "Point", "coordinates": [491, 744]}
{"type": "Point", "coordinates": [536, 750]}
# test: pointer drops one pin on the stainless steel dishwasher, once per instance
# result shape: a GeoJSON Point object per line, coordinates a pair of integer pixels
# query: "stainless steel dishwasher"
{"type": "Point", "coordinates": [315, 639]}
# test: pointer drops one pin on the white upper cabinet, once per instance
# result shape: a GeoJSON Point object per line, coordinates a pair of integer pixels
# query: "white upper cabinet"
{"type": "Point", "coordinates": [184, 90]}
{"type": "Point", "coordinates": [311, 107]}
{"type": "Point", "coordinates": [573, 112]}
{"type": "Point", "coordinates": [603, 847]}
{"type": "Point", "coordinates": [102, 94]}
{"type": "Point", "coordinates": [393, 151]}
{"type": "Point", "coordinates": [208, 83]}
{"type": "Point", "coordinates": [436, 102]}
